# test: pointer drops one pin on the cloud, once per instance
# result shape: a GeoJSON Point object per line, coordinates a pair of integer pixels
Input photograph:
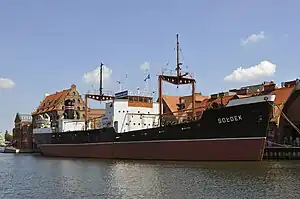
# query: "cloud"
{"type": "Point", "coordinates": [263, 69]}
{"type": "Point", "coordinates": [253, 38]}
{"type": "Point", "coordinates": [93, 77]}
{"type": "Point", "coordinates": [145, 66]}
{"type": "Point", "coordinates": [6, 83]}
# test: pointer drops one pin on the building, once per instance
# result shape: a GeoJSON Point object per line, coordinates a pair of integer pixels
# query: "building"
{"type": "Point", "coordinates": [22, 132]}
{"type": "Point", "coordinates": [286, 110]}
{"type": "Point", "coordinates": [56, 106]}
{"type": "Point", "coordinates": [94, 116]}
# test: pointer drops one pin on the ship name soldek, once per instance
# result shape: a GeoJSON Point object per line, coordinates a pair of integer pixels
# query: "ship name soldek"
{"type": "Point", "coordinates": [234, 118]}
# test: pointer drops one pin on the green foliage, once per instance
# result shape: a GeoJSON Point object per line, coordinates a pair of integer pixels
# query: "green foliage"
{"type": "Point", "coordinates": [2, 139]}
{"type": "Point", "coordinates": [8, 136]}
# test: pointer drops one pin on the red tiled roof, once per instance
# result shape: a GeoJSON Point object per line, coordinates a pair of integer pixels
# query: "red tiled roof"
{"type": "Point", "coordinates": [282, 94]}
{"type": "Point", "coordinates": [171, 102]}
{"type": "Point", "coordinates": [50, 102]}
{"type": "Point", "coordinates": [94, 113]}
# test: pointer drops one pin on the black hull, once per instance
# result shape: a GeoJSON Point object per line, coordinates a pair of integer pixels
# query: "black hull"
{"type": "Point", "coordinates": [242, 121]}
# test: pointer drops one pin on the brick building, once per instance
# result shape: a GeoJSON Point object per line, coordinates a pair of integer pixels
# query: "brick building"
{"type": "Point", "coordinates": [54, 106]}
{"type": "Point", "coordinates": [94, 117]}
{"type": "Point", "coordinates": [22, 132]}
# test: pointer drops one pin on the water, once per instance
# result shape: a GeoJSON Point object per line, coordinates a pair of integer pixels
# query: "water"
{"type": "Point", "coordinates": [26, 176]}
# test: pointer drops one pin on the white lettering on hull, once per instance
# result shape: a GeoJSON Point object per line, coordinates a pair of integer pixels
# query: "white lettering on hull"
{"type": "Point", "coordinates": [235, 118]}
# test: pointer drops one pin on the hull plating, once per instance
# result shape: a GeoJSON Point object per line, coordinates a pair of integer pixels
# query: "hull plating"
{"type": "Point", "coordinates": [250, 149]}
{"type": "Point", "coordinates": [232, 133]}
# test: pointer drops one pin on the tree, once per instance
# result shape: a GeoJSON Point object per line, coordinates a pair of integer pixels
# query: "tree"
{"type": "Point", "coordinates": [2, 139]}
{"type": "Point", "coordinates": [8, 136]}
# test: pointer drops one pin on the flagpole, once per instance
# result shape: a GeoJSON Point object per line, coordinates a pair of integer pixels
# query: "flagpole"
{"type": "Point", "coordinates": [147, 81]}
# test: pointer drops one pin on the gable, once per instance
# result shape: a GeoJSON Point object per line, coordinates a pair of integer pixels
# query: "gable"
{"type": "Point", "coordinates": [17, 118]}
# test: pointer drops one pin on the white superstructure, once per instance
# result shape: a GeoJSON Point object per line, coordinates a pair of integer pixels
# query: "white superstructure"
{"type": "Point", "coordinates": [129, 113]}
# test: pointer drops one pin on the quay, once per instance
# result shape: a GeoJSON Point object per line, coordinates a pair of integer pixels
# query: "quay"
{"type": "Point", "coordinates": [282, 153]}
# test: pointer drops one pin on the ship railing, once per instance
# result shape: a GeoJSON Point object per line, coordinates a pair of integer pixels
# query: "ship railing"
{"type": "Point", "coordinates": [182, 116]}
{"type": "Point", "coordinates": [143, 93]}
{"type": "Point", "coordinates": [97, 92]}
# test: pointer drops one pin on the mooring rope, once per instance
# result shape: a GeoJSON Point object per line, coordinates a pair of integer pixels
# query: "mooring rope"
{"type": "Point", "coordinates": [280, 145]}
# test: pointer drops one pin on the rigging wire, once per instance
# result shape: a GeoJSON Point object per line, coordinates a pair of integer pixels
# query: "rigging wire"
{"type": "Point", "coordinates": [288, 120]}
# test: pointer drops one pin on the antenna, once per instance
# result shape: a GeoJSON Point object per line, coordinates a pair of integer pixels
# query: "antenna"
{"type": "Point", "coordinates": [120, 85]}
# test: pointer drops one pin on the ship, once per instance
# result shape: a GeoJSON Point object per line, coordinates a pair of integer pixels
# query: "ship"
{"type": "Point", "coordinates": [135, 127]}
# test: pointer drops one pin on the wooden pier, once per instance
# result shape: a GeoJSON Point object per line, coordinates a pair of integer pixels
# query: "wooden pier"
{"type": "Point", "coordinates": [282, 153]}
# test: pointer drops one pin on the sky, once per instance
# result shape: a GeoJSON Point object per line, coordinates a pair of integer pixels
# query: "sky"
{"type": "Point", "coordinates": [46, 46]}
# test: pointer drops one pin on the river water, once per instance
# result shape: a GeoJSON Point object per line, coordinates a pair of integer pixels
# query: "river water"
{"type": "Point", "coordinates": [28, 176]}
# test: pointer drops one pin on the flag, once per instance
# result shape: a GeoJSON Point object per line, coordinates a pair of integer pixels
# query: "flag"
{"type": "Point", "coordinates": [148, 77]}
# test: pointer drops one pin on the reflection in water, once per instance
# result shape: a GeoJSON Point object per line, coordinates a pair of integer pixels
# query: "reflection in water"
{"type": "Point", "coordinates": [39, 177]}
{"type": "Point", "coordinates": [135, 177]}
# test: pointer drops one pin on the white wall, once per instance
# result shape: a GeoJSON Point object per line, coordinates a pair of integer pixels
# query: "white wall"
{"type": "Point", "coordinates": [126, 121]}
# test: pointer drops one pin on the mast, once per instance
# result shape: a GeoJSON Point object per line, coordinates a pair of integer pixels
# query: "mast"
{"type": "Point", "coordinates": [179, 79]}
{"type": "Point", "coordinates": [98, 97]}
{"type": "Point", "coordinates": [178, 69]}
{"type": "Point", "coordinates": [101, 83]}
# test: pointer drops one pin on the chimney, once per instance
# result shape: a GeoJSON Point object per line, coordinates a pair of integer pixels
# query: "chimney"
{"type": "Point", "coordinates": [73, 86]}
{"type": "Point", "coordinates": [290, 83]}
{"type": "Point", "coordinates": [221, 94]}
{"type": "Point", "coordinates": [214, 96]}
{"type": "Point", "coordinates": [242, 91]}
{"type": "Point", "coordinates": [270, 87]}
